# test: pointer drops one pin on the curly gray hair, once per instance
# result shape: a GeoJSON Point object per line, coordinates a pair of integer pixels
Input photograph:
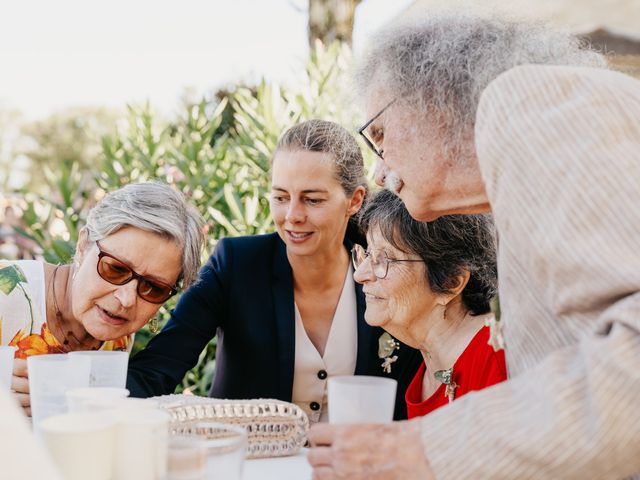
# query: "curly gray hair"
{"type": "Point", "coordinates": [157, 208]}
{"type": "Point", "coordinates": [439, 65]}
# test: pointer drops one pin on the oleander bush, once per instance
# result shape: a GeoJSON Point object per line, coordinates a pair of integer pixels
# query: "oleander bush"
{"type": "Point", "coordinates": [216, 151]}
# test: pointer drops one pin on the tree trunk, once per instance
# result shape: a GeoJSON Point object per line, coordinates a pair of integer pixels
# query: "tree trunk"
{"type": "Point", "coordinates": [331, 20]}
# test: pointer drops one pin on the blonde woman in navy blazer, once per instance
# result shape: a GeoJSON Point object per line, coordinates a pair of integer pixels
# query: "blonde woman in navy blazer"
{"type": "Point", "coordinates": [284, 306]}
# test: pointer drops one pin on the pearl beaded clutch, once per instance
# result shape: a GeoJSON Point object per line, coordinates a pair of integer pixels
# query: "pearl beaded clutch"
{"type": "Point", "coordinates": [274, 428]}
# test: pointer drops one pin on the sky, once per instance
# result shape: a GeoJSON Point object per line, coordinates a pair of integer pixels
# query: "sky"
{"type": "Point", "coordinates": [65, 53]}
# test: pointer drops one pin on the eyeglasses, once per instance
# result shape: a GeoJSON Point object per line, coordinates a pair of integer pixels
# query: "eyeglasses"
{"type": "Point", "coordinates": [116, 272]}
{"type": "Point", "coordinates": [371, 143]}
{"type": "Point", "coordinates": [379, 260]}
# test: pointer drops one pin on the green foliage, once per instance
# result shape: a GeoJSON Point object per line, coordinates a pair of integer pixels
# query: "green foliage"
{"type": "Point", "coordinates": [69, 137]}
{"type": "Point", "coordinates": [217, 152]}
{"type": "Point", "coordinates": [53, 225]}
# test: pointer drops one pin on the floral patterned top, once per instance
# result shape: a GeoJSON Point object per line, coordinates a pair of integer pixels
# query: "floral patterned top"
{"type": "Point", "coordinates": [23, 312]}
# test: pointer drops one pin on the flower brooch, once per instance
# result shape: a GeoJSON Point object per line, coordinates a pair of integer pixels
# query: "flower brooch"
{"type": "Point", "coordinates": [446, 377]}
{"type": "Point", "coordinates": [386, 346]}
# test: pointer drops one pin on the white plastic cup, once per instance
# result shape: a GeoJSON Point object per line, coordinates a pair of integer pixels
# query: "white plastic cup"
{"type": "Point", "coordinates": [141, 444]}
{"type": "Point", "coordinates": [6, 366]}
{"type": "Point", "coordinates": [50, 377]}
{"type": "Point", "coordinates": [226, 449]}
{"type": "Point", "coordinates": [94, 399]}
{"type": "Point", "coordinates": [81, 444]}
{"type": "Point", "coordinates": [108, 369]}
{"type": "Point", "coordinates": [361, 399]}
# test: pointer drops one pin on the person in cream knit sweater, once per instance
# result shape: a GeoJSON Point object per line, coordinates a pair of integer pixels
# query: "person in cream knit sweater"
{"type": "Point", "coordinates": [553, 151]}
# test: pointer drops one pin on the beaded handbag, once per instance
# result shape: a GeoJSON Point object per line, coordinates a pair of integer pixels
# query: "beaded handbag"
{"type": "Point", "coordinates": [274, 428]}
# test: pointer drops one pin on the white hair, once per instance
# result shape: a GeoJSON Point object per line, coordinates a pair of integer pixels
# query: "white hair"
{"type": "Point", "coordinates": [439, 65]}
{"type": "Point", "coordinates": [157, 208]}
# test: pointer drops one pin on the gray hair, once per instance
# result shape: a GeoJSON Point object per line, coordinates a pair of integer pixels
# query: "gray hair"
{"type": "Point", "coordinates": [439, 66]}
{"type": "Point", "coordinates": [329, 137]}
{"type": "Point", "coordinates": [449, 246]}
{"type": "Point", "coordinates": [157, 208]}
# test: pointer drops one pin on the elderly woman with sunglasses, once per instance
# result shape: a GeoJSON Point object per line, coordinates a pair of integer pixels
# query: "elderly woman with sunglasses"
{"type": "Point", "coordinates": [139, 243]}
{"type": "Point", "coordinates": [429, 285]}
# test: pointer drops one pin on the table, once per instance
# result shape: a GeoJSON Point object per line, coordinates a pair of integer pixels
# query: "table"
{"type": "Point", "coordinates": [294, 467]}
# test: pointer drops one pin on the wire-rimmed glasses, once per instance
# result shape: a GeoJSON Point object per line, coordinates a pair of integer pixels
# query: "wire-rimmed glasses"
{"type": "Point", "coordinates": [379, 260]}
{"type": "Point", "coordinates": [371, 140]}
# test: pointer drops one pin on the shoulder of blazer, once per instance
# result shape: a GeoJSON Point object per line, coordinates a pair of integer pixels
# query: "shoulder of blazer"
{"type": "Point", "coordinates": [250, 250]}
{"type": "Point", "coordinates": [250, 242]}
{"type": "Point", "coordinates": [251, 255]}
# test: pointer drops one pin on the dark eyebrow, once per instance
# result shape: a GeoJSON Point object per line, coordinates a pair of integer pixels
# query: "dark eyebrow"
{"type": "Point", "coordinates": [310, 190]}
{"type": "Point", "coordinates": [315, 191]}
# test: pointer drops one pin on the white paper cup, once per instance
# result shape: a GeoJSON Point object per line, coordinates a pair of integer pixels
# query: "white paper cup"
{"type": "Point", "coordinates": [108, 369]}
{"type": "Point", "coordinates": [361, 399]}
{"type": "Point", "coordinates": [226, 449]}
{"type": "Point", "coordinates": [6, 366]}
{"type": "Point", "coordinates": [81, 444]}
{"type": "Point", "coordinates": [141, 444]}
{"type": "Point", "coordinates": [50, 377]}
{"type": "Point", "coordinates": [94, 399]}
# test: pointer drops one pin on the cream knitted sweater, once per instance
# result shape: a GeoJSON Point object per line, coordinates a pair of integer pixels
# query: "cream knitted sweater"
{"type": "Point", "coordinates": [559, 150]}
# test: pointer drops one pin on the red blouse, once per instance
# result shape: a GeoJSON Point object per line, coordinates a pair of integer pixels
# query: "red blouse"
{"type": "Point", "coordinates": [478, 367]}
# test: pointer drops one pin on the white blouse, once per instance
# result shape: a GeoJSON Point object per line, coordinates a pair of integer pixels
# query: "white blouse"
{"type": "Point", "coordinates": [311, 370]}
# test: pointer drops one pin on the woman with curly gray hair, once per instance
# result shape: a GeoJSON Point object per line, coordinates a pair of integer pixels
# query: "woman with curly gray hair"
{"type": "Point", "coordinates": [471, 115]}
{"type": "Point", "coordinates": [429, 285]}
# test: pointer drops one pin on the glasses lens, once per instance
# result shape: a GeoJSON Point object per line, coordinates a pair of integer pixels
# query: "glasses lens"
{"type": "Point", "coordinates": [153, 292]}
{"type": "Point", "coordinates": [117, 273]}
{"type": "Point", "coordinates": [114, 271]}
{"type": "Point", "coordinates": [357, 256]}
{"type": "Point", "coordinates": [372, 143]}
{"type": "Point", "coordinates": [378, 263]}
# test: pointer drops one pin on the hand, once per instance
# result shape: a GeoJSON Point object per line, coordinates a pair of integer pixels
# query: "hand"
{"type": "Point", "coordinates": [371, 452]}
{"type": "Point", "coordinates": [20, 384]}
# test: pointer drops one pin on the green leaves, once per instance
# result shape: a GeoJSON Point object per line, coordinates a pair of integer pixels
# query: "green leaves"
{"type": "Point", "coordinates": [10, 277]}
{"type": "Point", "coordinates": [217, 151]}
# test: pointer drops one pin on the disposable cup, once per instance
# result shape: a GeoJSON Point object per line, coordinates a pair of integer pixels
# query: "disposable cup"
{"type": "Point", "coordinates": [141, 444]}
{"type": "Point", "coordinates": [81, 444]}
{"type": "Point", "coordinates": [361, 399]}
{"type": "Point", "coordinates": [108, 368]}
{"type": "Point", "coordinates": [50, 377]}
{"type": "Point", "coordinates": [94, 399]}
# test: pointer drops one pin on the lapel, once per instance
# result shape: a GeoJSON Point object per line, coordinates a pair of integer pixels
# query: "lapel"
{"type": "Point", "coordinates": [282, 291]}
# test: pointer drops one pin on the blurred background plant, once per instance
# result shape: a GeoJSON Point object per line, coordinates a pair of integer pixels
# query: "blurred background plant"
{"type": "Point", "coordinates": [216, 151]}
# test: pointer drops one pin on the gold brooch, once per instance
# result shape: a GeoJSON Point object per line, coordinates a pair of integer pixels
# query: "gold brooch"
{"type": "Point", "coordinates": [386, 346]}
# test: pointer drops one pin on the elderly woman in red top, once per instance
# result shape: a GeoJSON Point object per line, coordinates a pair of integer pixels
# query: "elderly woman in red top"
{"type": "Point", "coordinates": [429, 285]}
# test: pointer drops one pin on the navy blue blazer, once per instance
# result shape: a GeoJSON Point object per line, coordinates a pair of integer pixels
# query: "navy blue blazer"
{"type": "Point", "coordinates": [245, 297]}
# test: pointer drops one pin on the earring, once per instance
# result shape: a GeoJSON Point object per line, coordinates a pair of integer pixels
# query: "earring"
{"type": "Point", "coordinates": [444, 310]}
{"type": "Point", "coordinates": [153, 325]}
